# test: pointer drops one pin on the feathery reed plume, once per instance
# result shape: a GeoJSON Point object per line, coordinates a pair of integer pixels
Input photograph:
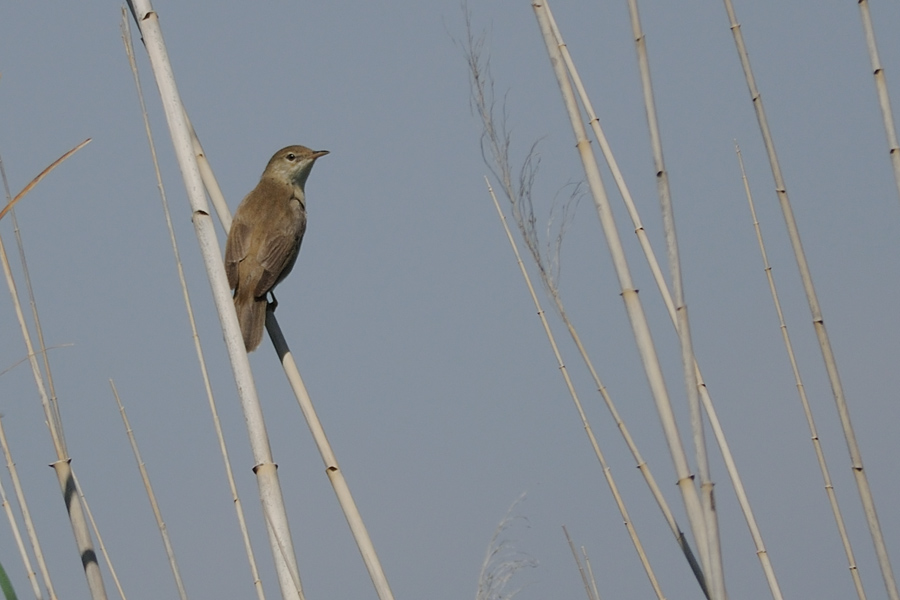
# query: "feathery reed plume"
{"type": "Point", "coordinates": [502, 561]}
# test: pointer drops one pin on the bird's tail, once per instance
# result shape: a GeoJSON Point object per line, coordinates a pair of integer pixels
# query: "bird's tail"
{"type": "Point", "coordinates": [251, 314]}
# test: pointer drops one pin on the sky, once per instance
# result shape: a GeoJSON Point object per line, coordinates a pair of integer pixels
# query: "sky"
{"type": "Point", "coordinates": [406, 311]}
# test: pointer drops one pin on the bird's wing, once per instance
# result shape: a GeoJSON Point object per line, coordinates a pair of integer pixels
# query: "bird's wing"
{"type": "Point", "coordinates": [236, 248]}
{"type": "Point", "coordinates": [277, 252]}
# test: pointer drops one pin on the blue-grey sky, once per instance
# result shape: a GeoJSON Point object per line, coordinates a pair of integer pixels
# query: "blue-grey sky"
{"type": "Point", "coordinates": [407, 314]}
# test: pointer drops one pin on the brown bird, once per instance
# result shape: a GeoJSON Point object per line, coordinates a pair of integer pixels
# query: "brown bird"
{"type": "Point", "coordinates": [265, 236]}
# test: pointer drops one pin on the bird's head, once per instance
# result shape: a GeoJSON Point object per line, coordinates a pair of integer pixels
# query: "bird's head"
{"type": "Point", "coordinates": [293, 164]}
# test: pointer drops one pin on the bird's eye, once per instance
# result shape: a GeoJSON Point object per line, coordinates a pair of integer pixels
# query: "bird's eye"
{"type": "Point", "coordinates": [291, 156]}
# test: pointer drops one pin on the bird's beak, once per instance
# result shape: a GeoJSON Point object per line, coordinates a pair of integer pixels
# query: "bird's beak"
{"type": "Point", "coordinates": [320, 153]}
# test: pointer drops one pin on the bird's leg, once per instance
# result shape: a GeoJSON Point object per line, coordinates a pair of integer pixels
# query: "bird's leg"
{"type": "Point", "coordinates": [273, 304]}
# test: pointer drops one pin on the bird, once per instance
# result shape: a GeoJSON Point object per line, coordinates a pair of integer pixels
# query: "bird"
{"type": "Point", "coordinates": [265, 237]}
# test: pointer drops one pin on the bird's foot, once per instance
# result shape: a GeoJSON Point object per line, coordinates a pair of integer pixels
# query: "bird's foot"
{"type": "Point", "coordinates": [271, 306]}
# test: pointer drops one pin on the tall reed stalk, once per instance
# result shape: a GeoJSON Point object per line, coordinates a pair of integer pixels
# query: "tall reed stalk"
{"type": "Point", "coordinates": [29, 526]}
{"type": "Point", "coordinates": [589, 590]}
{"type": "Point", "coordinates": [590, 574]}
{"type": "Point", "coordinates": [884, 100]}
{"type": "Point", "coordinates": [714, 570]}
{"type": "Point", "coordinates": [154, 505]}
{"type": "Point", "coordinates": [650, 255]}
{"type": "Point", "coordinates": [633, 307]}
{"type": "Point", "coordinates": [607, 472]}
{"type": "Point", "coordinates": [198, 348]}
{"type": "Point", "coordinates": [62, 464]}
{"type": "Point", "coordinates": [96, 530]}
{"type": "Point", "coordinates": [198, 175]}
{"type": "Point", "coordinates": [856, 463]}
{"type": "Point", "coordinates": [269, 486]}
{"type": "Point", "coordinates": [332, 469]}
{"type": "Point", "coordinates": [801, 390]}
{"type": "Point", "coordinates": [495, 146]}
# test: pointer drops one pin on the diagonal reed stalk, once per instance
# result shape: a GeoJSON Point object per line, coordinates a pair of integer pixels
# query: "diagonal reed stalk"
{"type": "Point", "coordinates": [29, 525]}
{"type": "Point", "coordinates": [581, 569]}
{"type": "Point", "coordinates": [54, 403]}
{"type": "Point", "coordinates": [5, 584]}
{"type": "Point", "coordinates": [495, 145]}
{"type": "Point", "coordinates": [96, 530]}
{"type": "Point", "coordinates": [198, 348]}
{"type": "Point", "coordinates": [649, 254]}
{"type": "Point", "coordinates": [332, 469]}
{"type": "Point", "coordinates": [590, 573]}
{"type": "Point", "coordinates": [154, 505]}
{"type": "Point", "coordinates": [884, 100]}
{"type": "Point", "coordinates": [62, 464]}
{"type": "Point", "coordinates": [837, 389]}
{"type": "Point", "coordinates": [633, 307]}
{"type": "Point", "coordinates": [607, 473]}
{"type": "Point", "coordinates": [801, 390]}
{"type": "Point", "coordinates": [714, 571]}
{"type": "Point", "coordinates": [265, 468]}
{"type": "Point", "coordinates": [197, 175]}
{"type": "Point", "coordinates": [11, 203]}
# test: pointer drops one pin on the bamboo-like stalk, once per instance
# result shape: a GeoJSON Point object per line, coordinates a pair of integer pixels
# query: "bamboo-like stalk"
{"type": "Point", "coordinates": [497, 144]}
{"type": "Point", "coordinates": [26, 514]}
{"type": "Point", "coordinates": [34, 312]}
{"type": "Point", "coordinates": [154, 505]}
{"type": "Point", "coordinates": [856, 463]}
{"type": "Point", "coordinates": [607, 473]}
{"type": "Point", "coordinates": [633, 306]}
{"type": "Point", "coordinates": [62, 465]}
{"type": "Point", "coordinates": [26, 560]}
{"type": "Point", "coordinates": [332, 469]}
{"type": "Point", "coordinates": [51, 388]}
{"type": "Point", "coordinates": [56, 421]}
{"type": "Point", "coordinates": [498, 151]}
{"type": "Point", "coordinates": [265, 468]}
{"type": "Point", "coordinates": [335, 475]}
{"type": "Point", "coordinates": [714, 569]}
{"type": "Point", "coordinates": [590, 572]}
{"type": "Point", "coordinates": [884, 100]}
{"type": "Point", "coordinates": [106, 557]}
{"type": "Point", "coordinates": [65, 477]}
{"type": "Point", "coordinates": [801, 390]}
{"type": "Point", "coordinates": [649, 254]}
{"type": "Point", "coordinates": [209, 180]}
{"type": "Point", "coordinates": [238, 507]}
{"type": "Point", "coordinates": [280, 540]}
{"type": "Point", "coordinates": [584, 577]}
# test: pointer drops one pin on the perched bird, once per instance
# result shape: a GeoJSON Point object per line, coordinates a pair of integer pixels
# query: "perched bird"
{"type": "Point", "coordinates": [265, 236]}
